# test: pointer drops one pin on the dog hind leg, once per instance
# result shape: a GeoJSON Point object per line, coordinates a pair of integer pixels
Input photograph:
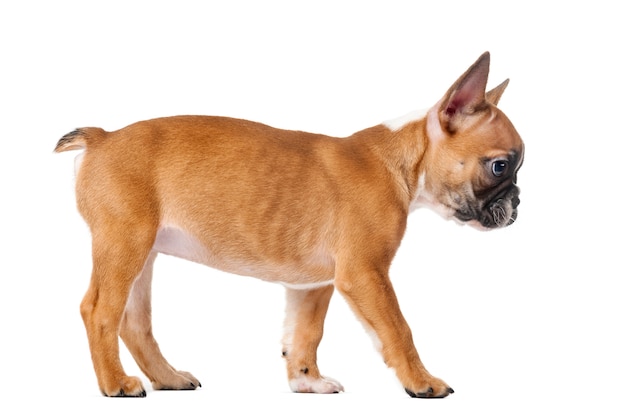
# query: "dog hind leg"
{"type": "Point", "coordinates": [304, 326]}
{"type": "Point", "coordinates": [136, 332]}
{"type": "Point", "coordinates": [119, 254]}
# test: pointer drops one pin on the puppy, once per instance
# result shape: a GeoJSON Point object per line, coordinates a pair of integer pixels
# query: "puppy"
{"type": "Point", "coordinates": [309, 211]}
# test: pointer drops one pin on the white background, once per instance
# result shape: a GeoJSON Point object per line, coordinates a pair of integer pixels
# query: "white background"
{"type": "Point", "coordinates": [526, 319]}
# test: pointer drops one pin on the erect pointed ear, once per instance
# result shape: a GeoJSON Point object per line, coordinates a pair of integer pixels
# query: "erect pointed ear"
{"type": "Point", "coordinates": [466, 96]}
{"type": "Point", "coordinates": [494, 95]}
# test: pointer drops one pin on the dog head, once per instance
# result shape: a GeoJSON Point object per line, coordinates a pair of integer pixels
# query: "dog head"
{"type": "Point", "coordinates": [473, 155]}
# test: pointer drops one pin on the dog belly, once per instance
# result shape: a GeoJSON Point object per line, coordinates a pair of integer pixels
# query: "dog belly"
{"type": "Point", "coordinates": [317, 271]}
{"type": "Point", "coordinates": [176, 242]}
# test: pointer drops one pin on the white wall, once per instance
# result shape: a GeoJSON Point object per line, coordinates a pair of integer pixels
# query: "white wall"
{"type": "Point", "coordinates": [526, 319]}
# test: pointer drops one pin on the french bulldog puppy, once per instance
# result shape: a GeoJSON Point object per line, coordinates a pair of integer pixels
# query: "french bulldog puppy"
{"type": "Point", "coordinates": [309, 211]}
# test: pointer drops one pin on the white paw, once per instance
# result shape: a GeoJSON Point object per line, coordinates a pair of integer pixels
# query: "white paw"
{"type": "Point", "coordinates": [323, 385]}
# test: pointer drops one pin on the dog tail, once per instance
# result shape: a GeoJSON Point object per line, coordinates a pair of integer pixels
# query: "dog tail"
{"type": "Point", "coordinates": [79, 138]}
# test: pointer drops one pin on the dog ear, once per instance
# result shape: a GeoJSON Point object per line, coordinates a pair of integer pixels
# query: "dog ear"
{"type": "Point", "coordinates": [494, 95]}
{"type": "Point", "coordinates": [466, 96]}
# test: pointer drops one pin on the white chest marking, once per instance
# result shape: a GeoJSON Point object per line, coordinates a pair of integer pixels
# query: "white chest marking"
{"type": "Point", "coordinates": [423, 198]}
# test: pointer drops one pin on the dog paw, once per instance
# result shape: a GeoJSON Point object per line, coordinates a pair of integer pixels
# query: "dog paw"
{"type": "Point", "coordinates": [432, 388]}
{"type": "Point", "coordinates": [321, 385]}
{"type": "Point", "coordinates": [178, 380]}
{"type": "Point", "coordinates": [126, 387]}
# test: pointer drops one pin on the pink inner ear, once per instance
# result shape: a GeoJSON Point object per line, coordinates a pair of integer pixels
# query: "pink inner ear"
{"type": "Point", "coordinates": [469, 94]}
{"type": "Point", "coordinates": [457, 103]}
{"type": "Point", "coordinates": [451, 108]}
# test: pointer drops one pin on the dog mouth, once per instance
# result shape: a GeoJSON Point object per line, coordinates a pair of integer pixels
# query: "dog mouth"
{"type": "Point", "coordinates": [500, 211]}
{"type": "Point", "coordinates": [500, 214]}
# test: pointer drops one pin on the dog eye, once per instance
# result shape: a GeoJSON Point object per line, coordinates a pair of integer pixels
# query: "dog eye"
{"type": "Point", "coordinates": [499, 167]}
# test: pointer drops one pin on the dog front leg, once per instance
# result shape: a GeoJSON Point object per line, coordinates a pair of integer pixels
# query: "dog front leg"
{"type": "Point", "coordinates": [371, 296]}
{"type": "Point", "coordinates": [304, 326]}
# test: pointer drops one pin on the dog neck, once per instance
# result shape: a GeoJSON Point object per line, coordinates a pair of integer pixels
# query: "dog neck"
{"type": "Point", "coordinates": [400, 146]}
